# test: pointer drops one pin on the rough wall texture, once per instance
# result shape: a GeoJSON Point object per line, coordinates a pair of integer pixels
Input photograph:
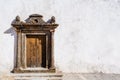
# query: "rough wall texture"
{"type": "Point", "coordinates": [87, 40]}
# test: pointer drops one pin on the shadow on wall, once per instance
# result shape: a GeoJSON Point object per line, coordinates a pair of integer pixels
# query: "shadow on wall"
{"type": "Point", "coordinates": [13, 33]}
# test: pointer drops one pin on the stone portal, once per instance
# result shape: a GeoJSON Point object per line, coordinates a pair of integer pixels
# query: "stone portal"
{"type": "Point", "coordinates": [34, 51]}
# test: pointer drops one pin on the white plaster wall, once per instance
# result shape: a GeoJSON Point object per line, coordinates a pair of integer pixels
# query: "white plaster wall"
{"type": "Point", "coordinates": [87, 40]}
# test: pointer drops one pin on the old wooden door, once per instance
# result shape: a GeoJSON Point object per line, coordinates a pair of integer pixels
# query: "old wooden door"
{"type": "Point", "coordinates": [36, 51]}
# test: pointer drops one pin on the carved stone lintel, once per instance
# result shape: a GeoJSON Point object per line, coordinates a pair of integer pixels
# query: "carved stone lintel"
{"type": "Point", "coordinates": [35, 19]}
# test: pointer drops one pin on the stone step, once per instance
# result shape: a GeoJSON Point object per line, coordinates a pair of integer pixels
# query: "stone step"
{"type": "Point", "coordinates": [33, 76]}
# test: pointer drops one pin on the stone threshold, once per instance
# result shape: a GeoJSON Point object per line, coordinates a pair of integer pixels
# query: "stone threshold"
{"type": "Point", "coordinates": [33, 76]}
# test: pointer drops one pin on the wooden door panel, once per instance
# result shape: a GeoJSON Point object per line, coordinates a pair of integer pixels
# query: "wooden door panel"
{"type": "Point", "coordinates": [38, 52]}
{"type": "Point", "coordinates": [35, 50]}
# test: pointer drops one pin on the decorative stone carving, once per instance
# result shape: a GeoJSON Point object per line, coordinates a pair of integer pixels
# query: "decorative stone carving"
{"type": "Point", "coordinates": [35, 19]}
{"type": "Point", "coordinates": [35, 49]}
